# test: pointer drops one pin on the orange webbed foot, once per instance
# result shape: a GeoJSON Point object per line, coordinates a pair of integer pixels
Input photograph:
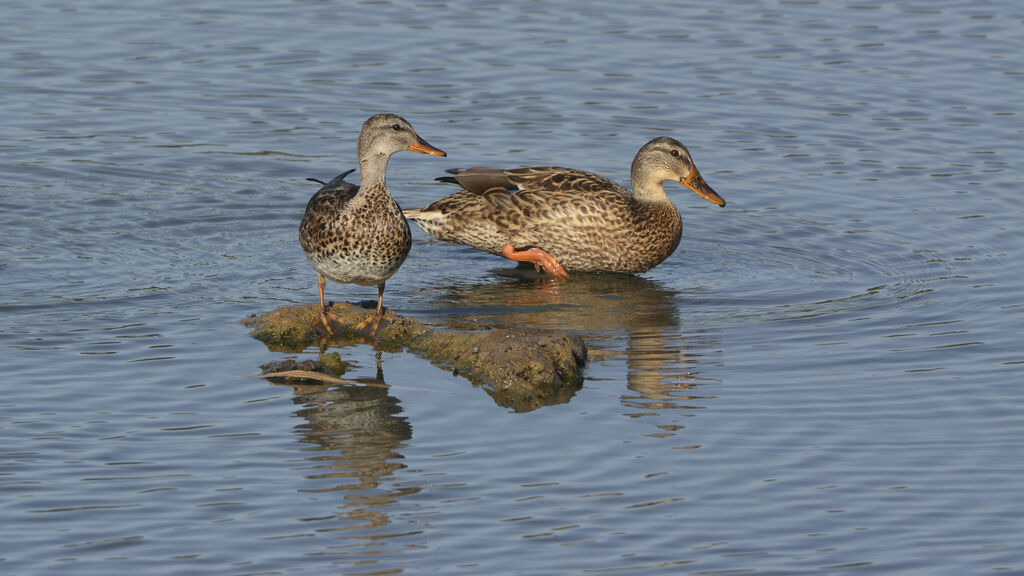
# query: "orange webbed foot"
{"type": "Point", "coordinates": [332, 323]}
{"type": "Point", "coordinates": [371, 325]}
{"type": "Point", "coordinates": [539, 258]}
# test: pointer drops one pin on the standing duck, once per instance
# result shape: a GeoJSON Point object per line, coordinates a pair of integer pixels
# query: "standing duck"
{"type": "Point", "coordinates": [357, 234]}
{"type": "Point", "coordinates": [564, 220]}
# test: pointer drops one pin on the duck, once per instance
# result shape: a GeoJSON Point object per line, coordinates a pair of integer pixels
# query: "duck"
{"type": "Point", "coordinates": [565, 220]}
{"type": "Point", "coordinates": [357, 234]}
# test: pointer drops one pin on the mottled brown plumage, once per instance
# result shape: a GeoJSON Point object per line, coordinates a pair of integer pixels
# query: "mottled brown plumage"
{"type": "Point", "coordinates": [357, 234]}
{"type": "Point", "coordinates": [584, 221]}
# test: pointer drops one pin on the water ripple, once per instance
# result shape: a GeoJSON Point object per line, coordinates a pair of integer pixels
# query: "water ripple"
{"type": "Point", "coordinates": [823, 378]}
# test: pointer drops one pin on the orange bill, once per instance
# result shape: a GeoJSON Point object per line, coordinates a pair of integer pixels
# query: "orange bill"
{"type": "Point", "coordinates": [422, 147]}
{"type": "Point", "coordinates": [696, 183]}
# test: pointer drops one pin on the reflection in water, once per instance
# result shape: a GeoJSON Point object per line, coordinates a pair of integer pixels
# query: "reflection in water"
{"type": "Point", "coordinates": [359, 428]}
{"type": "Point", "coordinates": [627, 321]}
{"type": "Point", "coordinates": [662, 360]}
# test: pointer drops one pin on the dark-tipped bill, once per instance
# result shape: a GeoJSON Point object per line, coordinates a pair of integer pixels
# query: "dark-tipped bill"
{"type": "Point", "coordinates": [422, 147]}
{"type": "Point", "coordinates": [696, 183]}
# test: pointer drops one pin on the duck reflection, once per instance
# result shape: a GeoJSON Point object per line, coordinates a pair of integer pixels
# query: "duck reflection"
{"type": "Point", "coordinates": [359, 427]}
{"type": "Point", "coordinates": [618, 315]}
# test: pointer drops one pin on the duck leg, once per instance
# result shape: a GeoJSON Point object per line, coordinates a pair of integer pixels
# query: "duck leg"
{"type": "Point", "coordinates": [539, 258]}
{"type": "Point", "coordinates": [378, 314]}
{"type": "Point", "coordinates": [321, 283]}
{"type": "Point", "coordinates": [325, 316]}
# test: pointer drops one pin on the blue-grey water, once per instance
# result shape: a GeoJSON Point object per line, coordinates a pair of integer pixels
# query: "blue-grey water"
{"type": "Point", "coordinates": [826, 378]}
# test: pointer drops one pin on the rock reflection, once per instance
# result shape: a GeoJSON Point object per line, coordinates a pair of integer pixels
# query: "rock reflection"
{"type": "Point", "coordinates": [359, 428]}
{"type": "Point", "coordinates": [618, 315]}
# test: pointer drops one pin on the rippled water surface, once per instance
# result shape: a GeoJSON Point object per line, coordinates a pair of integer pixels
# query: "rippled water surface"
{"type": "Point", "coordinates": [825, 378]}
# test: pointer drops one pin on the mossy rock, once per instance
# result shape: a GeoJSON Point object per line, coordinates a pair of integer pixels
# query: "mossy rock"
{"type": "Point", "coordinates": [520, 368]}
{"type": "Point", "coordinates": [285, 329]}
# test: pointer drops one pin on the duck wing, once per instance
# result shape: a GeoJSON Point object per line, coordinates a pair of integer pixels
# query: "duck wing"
{"type": "Point", "coordinates": [479, 179]}
{"type": "Point", "coordinates": [337, 183]}
{"type": "Point", "coordinates": [533, 178]}
{"type": "Point", "coordinates": [324, 206]}
{"type": "Point", "coordinates": [562, 180]}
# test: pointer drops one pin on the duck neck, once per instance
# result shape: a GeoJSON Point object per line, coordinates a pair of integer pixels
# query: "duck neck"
{"type": "Point", "coordinates": [647, 190]}
{"type": "Point", "coordinates": [372, 168]}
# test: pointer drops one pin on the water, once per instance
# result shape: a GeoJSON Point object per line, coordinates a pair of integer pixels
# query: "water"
{"type": "Point", "coordinates": [823, 379]}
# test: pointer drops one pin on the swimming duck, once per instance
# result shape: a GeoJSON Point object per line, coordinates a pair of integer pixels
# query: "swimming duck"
{"type": "Point", "coordinates": [564, 220]}
{"type": "Point", "coordinates": [357, 234]}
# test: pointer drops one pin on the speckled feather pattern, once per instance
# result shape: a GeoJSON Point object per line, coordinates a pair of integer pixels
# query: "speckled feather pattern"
{"type": "Point", "coordinates": [354, 236]}
{"type": "Point", "coordinates": [358, 234]}
{"type": "Point", "coordinates": [585, 221]}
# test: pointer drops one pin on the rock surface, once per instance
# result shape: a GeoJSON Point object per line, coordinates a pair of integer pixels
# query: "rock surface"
{"type": "Point", "coordinates": [520, 368]}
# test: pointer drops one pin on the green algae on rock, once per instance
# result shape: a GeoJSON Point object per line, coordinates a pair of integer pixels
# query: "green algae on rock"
{"type": "Point", "coordinates": [285, 329]}
{"type": "Point", "coordinates": [520, 368]}
{"type": "Point", "coordinates": [327, 368]}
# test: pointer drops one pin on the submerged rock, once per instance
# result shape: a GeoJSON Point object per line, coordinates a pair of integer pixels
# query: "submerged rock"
{"type": "Point", "coordinates": [326, 368]}
{"type": "Point", "coordinates": [520, 368]}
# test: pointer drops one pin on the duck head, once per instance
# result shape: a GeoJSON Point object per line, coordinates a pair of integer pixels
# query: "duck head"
{"type": "Point", "coordinates": [385, 134]}
{"type": "Point", "coordinates": [664, 159]}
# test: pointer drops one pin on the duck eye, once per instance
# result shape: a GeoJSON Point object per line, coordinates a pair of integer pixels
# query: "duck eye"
{"type": "Point", "coordinates": [396, 127]}
{"type": "Point", "coordinates": [675, 153]}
